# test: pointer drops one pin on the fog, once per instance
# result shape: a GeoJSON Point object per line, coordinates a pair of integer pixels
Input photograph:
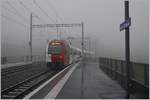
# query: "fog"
{"type": "Point", "coordinates": [101, 24]}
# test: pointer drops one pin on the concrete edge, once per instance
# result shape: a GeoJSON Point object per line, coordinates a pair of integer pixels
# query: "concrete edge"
{"type": "Point", "coordinates": [44, 89]}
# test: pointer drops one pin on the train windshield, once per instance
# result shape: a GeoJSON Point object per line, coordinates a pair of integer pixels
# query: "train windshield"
{"type": "Point", "coordinates": [54, 49]}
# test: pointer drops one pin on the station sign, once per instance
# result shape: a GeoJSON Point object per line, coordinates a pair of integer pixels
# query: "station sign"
{"type": "Point", "coordinates": [125, 24]}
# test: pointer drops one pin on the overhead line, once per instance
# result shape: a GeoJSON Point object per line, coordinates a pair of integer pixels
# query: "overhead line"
{"type": "Point", "coordinates": [43, 11]}
{"type": "Point", "coordinates": [48, 2]}
{"type": "Point", "coordinates": [15, 21]}
{"type": "Point", "coordinates": [29, 10]}
{"type": "Point", "coordinates": [16, 11]}
{"type": "Point", "coordinates": [46, 15]}
{"type": "Point", "coordinates": [54, 10]}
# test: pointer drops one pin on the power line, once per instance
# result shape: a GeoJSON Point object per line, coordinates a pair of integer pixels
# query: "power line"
{"type": "Point", "coordinates": [13, 20]}
{"type": "Point", "coordinates": [43, 11]}
{"type": "Point", "coordinates": [46, 15]}
{"type": "Point", "coordinates": [16, 11]}
{"type": "Point", "coordinates": [29, 10]}
{"type": "Point", "coordinates": [54, 10]}
{"type": "Point", "coordinates": [57, 15]}
{"type": "Point", "coordinates": [13, 13]}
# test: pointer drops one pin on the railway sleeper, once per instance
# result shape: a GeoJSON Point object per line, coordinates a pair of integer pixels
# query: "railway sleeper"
{"type": "Point", "coordinates": [20, 89]}
{"type": "Point", "coordinates": [14, 92]}
{"type": "Point", "coordinates": [27, 85]}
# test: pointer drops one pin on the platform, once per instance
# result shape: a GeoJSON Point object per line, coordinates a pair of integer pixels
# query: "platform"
{"type": "Point", "coordinates": [87, 81]}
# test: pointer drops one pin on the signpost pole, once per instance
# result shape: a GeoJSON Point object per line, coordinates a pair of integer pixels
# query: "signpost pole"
{"type": "Point", "coordinates": [127, 46]}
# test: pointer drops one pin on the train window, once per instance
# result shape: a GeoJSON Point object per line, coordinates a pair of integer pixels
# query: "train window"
{"type": "Point", "coordinates": [54, 49]}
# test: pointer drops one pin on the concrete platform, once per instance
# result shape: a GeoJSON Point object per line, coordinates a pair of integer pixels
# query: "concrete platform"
{"type": "Point", "coordinates": [87, 81]}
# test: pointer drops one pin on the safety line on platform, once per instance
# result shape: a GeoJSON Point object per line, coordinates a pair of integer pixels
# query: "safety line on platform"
{"type": "Point", "coordinates": [44, 84]}
{"type": "Point", "coordinates": [56, 89]}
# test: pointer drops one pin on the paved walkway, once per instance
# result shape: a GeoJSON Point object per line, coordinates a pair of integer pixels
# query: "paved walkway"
{"type": "Point", "coordinates": [89, 82]}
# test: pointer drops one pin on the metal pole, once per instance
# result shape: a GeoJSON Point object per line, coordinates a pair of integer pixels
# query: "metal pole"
{"type": "Point", "coordinates": [95, 48]}
{"type": "Point", "coordinates": [60, 34]}
{"type": "Point", "coordinates": [82, 39]}
{"type": "Point", "coordinates": [57, 32]}
{"type": "Point", "coordinates": [127, 46]}
{"type": "Point", "coordinates": [90, 45]}
{"type": "Point", "coordinates": [82, 79]}
{"type": "Point", "coordinates": [31, 36]}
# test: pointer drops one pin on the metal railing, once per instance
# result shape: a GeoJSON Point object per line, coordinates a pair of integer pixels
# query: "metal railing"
{"type": "Point", "coordinates": [116, 69]}
{"type": "Point", "coordinates": [9, 60]}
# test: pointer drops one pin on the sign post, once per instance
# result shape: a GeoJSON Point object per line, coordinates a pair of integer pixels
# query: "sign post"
{"type": "Point", "coordinates": [125, 25]}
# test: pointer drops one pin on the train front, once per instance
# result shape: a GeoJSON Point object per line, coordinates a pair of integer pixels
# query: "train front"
{"type": "Point", "coordinates": [55, 56]}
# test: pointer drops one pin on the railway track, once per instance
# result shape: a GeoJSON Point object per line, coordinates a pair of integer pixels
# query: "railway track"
{"type": "Point", "coordinates": [20, 74]}
{"type": "Point", "coordinates": [12, 70]}
{"type": "Point", "coordinates": [19, 70]}
{"type": "Point", "coordinates": [21, 89]}
{"type": "Point", "coordinates": [8, 71]}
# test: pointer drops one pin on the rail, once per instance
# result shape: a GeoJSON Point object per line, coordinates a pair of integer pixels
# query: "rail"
{"type": "Point", "coordinates": [21, 89]}
{"type": "Point", "coordinates": [25, 59]}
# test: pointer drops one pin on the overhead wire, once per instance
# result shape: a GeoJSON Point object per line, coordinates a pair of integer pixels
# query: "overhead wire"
{"type": "Point", "coordinates": [29, 10]}
{"type": "Point", "coordinates": [57, 14]}
{"type": "Point", "coordinates": [43, 11]}
{"type": "Point", "coordinates": [13, 12]}
{"type": "Point", "coordinates": [13, 20]}
{"type": "Point", "coordinates": [16, 11]}
{"type": "Point", "coordinates": [46, 15]}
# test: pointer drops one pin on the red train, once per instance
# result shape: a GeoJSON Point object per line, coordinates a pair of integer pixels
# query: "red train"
{"type": "Point", "coordinates": [60, 54]}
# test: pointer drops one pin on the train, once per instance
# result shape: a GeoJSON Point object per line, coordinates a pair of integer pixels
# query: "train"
{"type": "Point", "coordinates": [60, 53]}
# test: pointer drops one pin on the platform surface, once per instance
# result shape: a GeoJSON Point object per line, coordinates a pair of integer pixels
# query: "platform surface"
{"type": "Point", "coordinates": [89, 82]}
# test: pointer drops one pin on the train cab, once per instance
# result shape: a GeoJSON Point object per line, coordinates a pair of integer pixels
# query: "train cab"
{"type": "Point", "coordinates": [57, 53]}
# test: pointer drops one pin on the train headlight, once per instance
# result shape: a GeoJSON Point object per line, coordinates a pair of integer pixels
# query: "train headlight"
{"type": "Point", "coordinates": [61, 57]}
{"type": "Point", "coordinates": [57, 43]}
{"type": "Point", "coordinates": [53, 43]}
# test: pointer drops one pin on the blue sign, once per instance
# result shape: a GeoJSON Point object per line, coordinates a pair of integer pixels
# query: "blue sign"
{"type": "Point", "coordinates": [125, 24]}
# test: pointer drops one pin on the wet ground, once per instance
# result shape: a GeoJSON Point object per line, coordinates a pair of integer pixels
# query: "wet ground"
{"type": "Point", "coordinates": [89, 82]}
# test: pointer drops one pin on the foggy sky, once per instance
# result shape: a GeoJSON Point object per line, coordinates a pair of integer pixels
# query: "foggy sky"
{"type": "Point", "coordinates": [101, 23]}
